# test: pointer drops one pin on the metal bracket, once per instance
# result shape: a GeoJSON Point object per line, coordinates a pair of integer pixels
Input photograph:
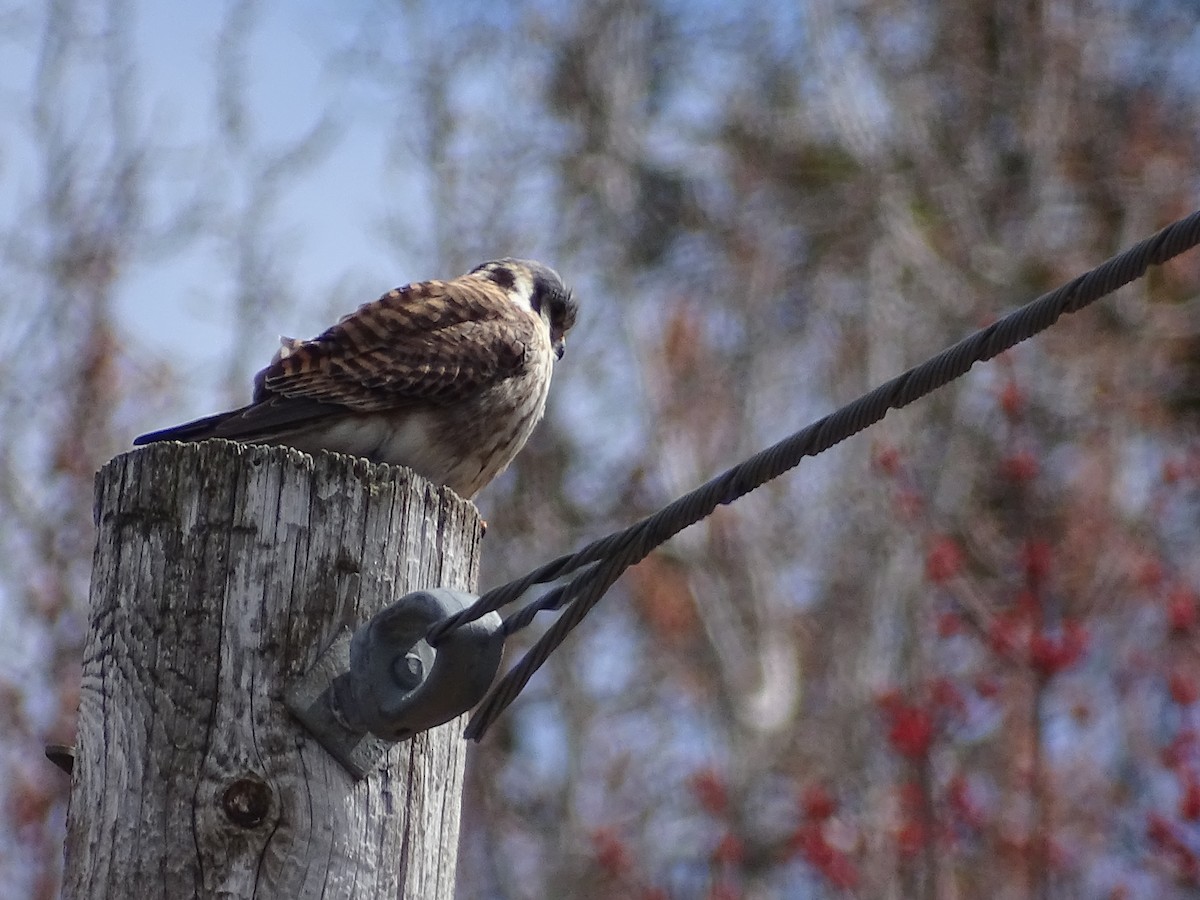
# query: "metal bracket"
{"type": "Point", "coordinates": [384, 683]}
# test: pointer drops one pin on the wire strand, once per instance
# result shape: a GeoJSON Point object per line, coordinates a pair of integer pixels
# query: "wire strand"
{"type": "Point", "coordinates": [607, 558]}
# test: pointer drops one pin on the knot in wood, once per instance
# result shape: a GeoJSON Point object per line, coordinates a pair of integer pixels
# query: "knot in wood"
{"type": "Point", "coordinates": [247, 801]}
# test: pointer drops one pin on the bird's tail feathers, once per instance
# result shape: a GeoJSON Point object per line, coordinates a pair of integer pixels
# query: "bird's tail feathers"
{"type": "Point", "coordinates": [197, 430]}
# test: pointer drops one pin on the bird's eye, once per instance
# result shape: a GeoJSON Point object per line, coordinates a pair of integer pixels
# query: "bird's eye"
{"type": "Point", "coordinates": [502, 276]}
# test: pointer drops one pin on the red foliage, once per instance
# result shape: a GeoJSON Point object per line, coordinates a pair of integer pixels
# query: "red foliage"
{"type": "Point", "coordinates": [945, 695]}
{"type": "Point", "coordinates": [886, 459]}
{"type": "Point", "coordinates": [710, 791]}
{"type": "Point", "coordinates": [1166, 837]}
{"type": "Point", "coordinates": [1189, 802]}
{"type": "Point", "coordinates": [29, 799]}
{"type": "Point", "coordinates": [1150, 573]}
{"type": "Point", "coordinates": [1182, 687]}
{"type": "Point", "coordinates": [944, 560]}
{"type": "Point", "coordinates": [611, 852]}
{"type": "Point", "coordinates": [949, 624]}
{"type": "Point", "coordinates": [1036, 557]}
{"type": "Point", "coordinates": [1004, 633]}
{"type": "Point", "coordinates": [911, 730]}
{"type": "Point", "coordinates": [1181, 610]}
{"type": "Point", "coordinates": [1012, 400]}
{"type": "Point", "coordinates": [810, 843]}
{"type": "Point", "coordinates": [817, 803]}
{"type": "Point", "coordinates": [962, 802]}
{"type": "Point", "coordinates": [1027, 605]}
{"type": "Point", "coordinates": [911, 838]}
{"type": "Point", "coordinates": [729, 851]}
{"type": "Point", "coordinates": [1160, 830]}
{"type": "Point", "coordinates": [1051, 653]}
{"type": "Point", "coordinates": [987, 686]}
{"type": "Point", "coordinates": [1181, 750]}
{"type": "Point", "coordinates": [1021, 466]}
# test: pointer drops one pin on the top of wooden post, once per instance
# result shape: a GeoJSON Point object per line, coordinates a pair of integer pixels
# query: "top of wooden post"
{"type": "Point", "coordinates": [221, 571]}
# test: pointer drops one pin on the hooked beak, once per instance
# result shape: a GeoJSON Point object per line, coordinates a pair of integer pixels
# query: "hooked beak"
{"type": "Point", "coordinates": [559, 346]}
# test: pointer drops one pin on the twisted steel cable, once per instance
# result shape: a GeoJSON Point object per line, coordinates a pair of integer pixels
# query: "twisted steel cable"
{"type": "Point", "coordinates": [601, 563]}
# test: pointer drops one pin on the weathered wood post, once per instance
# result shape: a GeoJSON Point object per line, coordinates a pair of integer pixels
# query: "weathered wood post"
{"type": "Point", "coordinates": [221, 571]}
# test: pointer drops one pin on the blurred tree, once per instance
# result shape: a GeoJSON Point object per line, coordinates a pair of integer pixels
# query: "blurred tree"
{"type": "Point", "coordinates": [957, 658]}
{"type": "Point", "coordinates": [65, 374]}
{"type": "Point", "coordinates": [786, 208]}
{"type": "Point", "coordinates": [97, 190]}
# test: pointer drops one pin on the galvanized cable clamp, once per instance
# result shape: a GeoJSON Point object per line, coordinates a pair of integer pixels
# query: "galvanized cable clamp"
{"type": "Point", "coordinates": [384, 682]}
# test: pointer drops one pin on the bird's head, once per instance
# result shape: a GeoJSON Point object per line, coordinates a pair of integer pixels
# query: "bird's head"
{"type": "Point", "coordinates": [538, 288]}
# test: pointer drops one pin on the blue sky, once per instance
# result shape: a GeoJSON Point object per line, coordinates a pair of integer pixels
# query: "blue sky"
{"type": "Point", "coordinates": [324, 234]}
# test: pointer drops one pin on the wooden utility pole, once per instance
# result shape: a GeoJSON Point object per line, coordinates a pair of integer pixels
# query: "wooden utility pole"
{"type": "Point", "coordinates": [221, 571]}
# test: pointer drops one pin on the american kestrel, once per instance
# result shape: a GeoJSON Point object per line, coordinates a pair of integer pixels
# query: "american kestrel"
{"type": "Point", "coordinates": [447, 378]}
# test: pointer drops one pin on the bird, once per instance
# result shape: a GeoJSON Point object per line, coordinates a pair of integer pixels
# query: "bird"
{"type": "Point", "coordinates": [447, 378]}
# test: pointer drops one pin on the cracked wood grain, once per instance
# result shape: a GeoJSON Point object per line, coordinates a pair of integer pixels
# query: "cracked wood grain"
{"type": "Point", "coordinates": [220, 572]}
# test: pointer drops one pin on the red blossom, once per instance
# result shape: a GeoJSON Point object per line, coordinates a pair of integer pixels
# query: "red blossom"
{"type": "Point", "coordinates": [949, 624]}
{"type": "Point", "coordinates": [1182, 688]}
{"type": "Point", "coordinates": [1164, 834]}
{"type": "Point", "coordinates": [1026, 604]}
{"type": "Point", "coordinates": [1055, 854]}
{"type": "Point", "coordinates": [1044, 653]}
{"type": "Point", "coordinates": [887, 459]}
{"type": "Point", "coordinates": [810, 842]}
{"type": "Point", "coordinates": [943, 561]}
{"type": "Point", "coordinates": [1036, 557]}
{"type": "Point", "coordinates": [962, 802]}
{"type": "Point", "coordinates": [1181, 749]}
{"type": "Point", "coordinates": [911, 731]}
{"type": "Point", "coordinates": [1050, 653]}
{"type": "Point", "coordinates": [729, 851]}
{"type": "Point", "coordinates": [911, 838]}
{"type": "Point", "coordinates": [946, 696]}
{"type": "Point", "coordinates": [1161, 831]}
{"type": "Point", "coordinates": [1012, 400]}
{"type": "Point", "coordinates": [1075, 638]}
{"type": "Point", "coordinates": [1181, 610]}
{"type": "Point", "coordinates": [1189, 866]}
{"type": "Point", "coordinates": [1189, 802]}
{"type": "Point", "coordinates": [1150, 573]}
{"type": "Point", "coordinates": [1004, 633]}
{"type": "Point", "coordinates": [611, 852]}
{"type": "Point", "coordinates": [840, 872]}
{"type": "Point", "coordinates": [1020, 466]}
{"type": "Point", "coordinates": [29, 799]}
{"type": "Point", "coordinates": [817, 803]}
{"type": "Point", "coordinates": [710, 791]}
{"type": "Point", "coordinates": [987, 686]}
